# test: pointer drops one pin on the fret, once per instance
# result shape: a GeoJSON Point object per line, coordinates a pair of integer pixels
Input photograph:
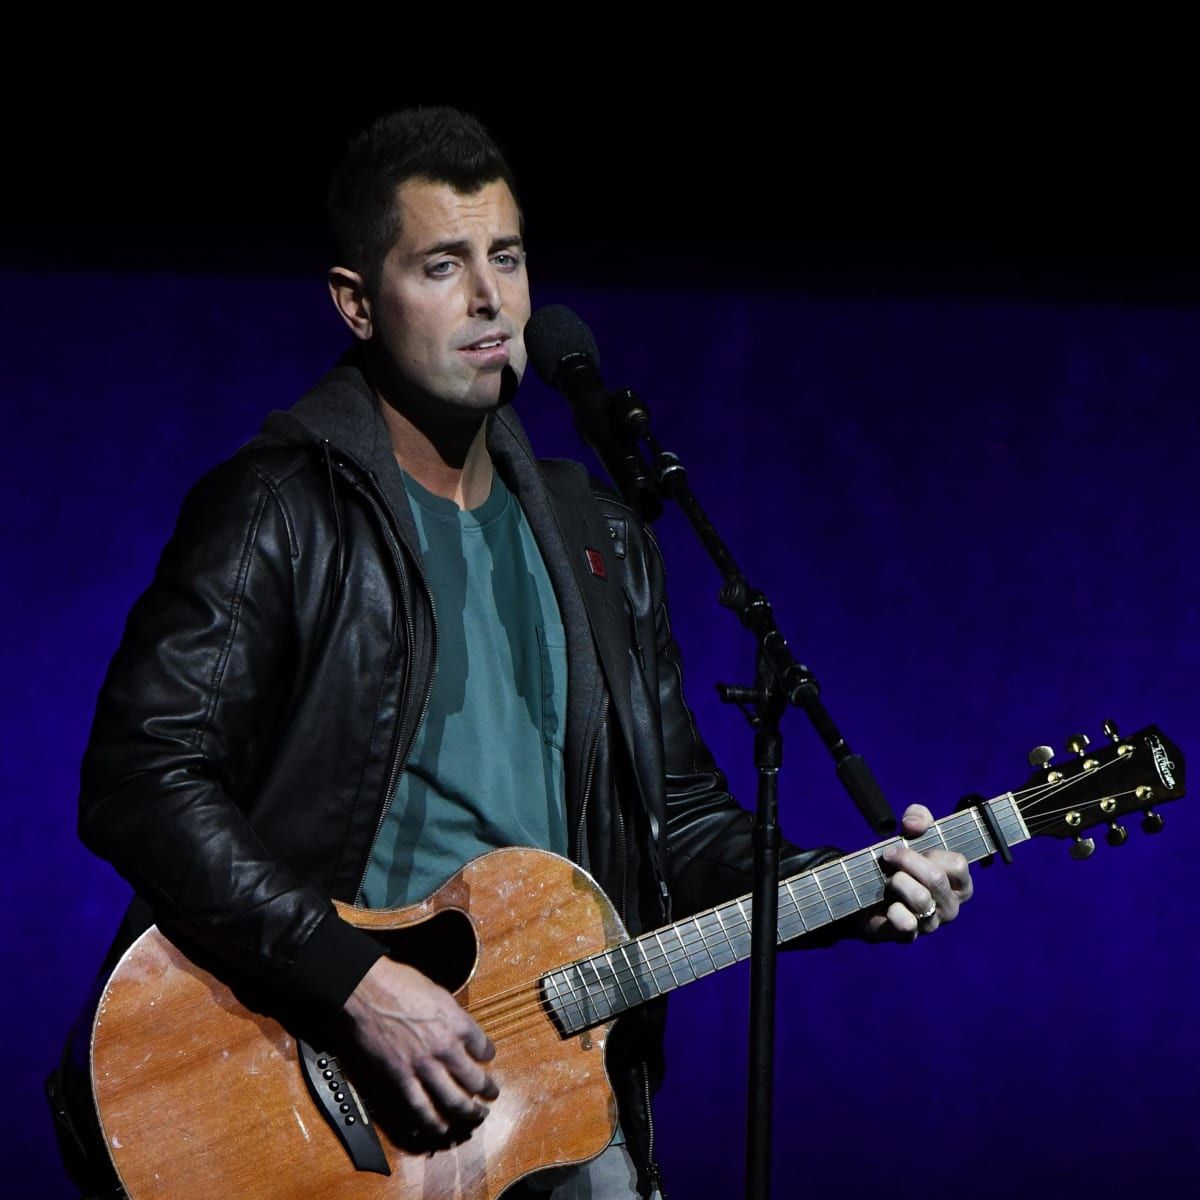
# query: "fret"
{"type": "Point", "coordinates": [578, 1020]}
{"type": "Point", "coordinates": [560, 984]}
{"type": "Point", "coordinates": [695, 947]}
{"type": "Point", "coordinates": [659, 987]}
{"type": "Point", "coordinates": [725, 954]}
{"type": "Point", "coordinates": [978, 838]}
{"type": "Point", "coordinates": [791, 923]}
{"type": "Point", "coordinates": [686, 961]}
{"type": "Point", "coordinates": [821, 888]}
{"type": "Point", "coordinates": [985, 838]}
{"type": "Point", "coordinates": [604, 1009]}
{"type": "Point", "coordinates": [633, 975]}
{"type": "Point", "coordinates": [850, 881]}
{"type": "Point", "coordinates": [845, 902]}
{"type": "Point", "coordinates": [616, 973]}
{"type": "Point", "coordinates": [790, 907]}
{"type": "Point", "coordinates": [646, 983]}
{"type": "Point", "coordinates": [740, 904]}
{"type": "Point", "coordinates": [970, 834]}
{"type": "Point", "coordinates": [703, 941]}
{"type": "Point", "coordinates": [926, 841]}
{"type": "Point", "coordinates": [551, 997]}
{"type": "Point", "coordinates": [876, 879]}
{"type": "Point", "coordinates": [587, 1003]}
{"type": "Point", "coordinates": [975, 841]}
{"type": "Point", "coordinates": [806, 896]}
{"type": "Point", "coordinates": [733, 946]}
{"type": "Point", "coordinates": [666, 957]}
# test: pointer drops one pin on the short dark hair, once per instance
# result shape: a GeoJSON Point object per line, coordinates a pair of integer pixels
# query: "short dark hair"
{"type": "Point", "coordinates": [441, 144]}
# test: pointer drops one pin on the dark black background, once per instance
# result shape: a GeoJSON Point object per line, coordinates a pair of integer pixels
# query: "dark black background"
{"type": "Point", "coordinates": [879, 183]}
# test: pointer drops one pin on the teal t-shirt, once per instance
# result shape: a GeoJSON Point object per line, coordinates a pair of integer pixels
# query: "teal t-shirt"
{"type": "Point", "coordinates": [486, 766]}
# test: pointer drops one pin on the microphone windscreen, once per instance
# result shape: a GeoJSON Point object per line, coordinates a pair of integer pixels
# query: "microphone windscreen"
{"type": "Point", "coordinates": [554, 333]}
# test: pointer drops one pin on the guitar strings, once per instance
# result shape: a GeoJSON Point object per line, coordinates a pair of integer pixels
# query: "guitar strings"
{"type": "Point", "coordinates": [682, 955]}
{"type": "Point", "coordinates": [522, 1015]}
{"type": "Point", "coordinates": [821, 897]}
{"type": "Point", "coordinates": [512, 1011]}
{"type": "Point", "coordinates": [703, 940]}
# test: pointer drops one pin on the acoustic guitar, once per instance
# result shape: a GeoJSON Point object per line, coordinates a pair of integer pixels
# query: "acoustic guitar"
{"type": "Point", "coordinates": [201, 1093]}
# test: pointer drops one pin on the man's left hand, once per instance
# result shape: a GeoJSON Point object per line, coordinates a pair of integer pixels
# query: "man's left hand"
{"type": "Point", "coordinates": [923, 890]}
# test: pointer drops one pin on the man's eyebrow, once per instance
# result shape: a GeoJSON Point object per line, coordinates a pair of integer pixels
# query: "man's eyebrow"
{"type": "Point", "coordinates": [462, 247]}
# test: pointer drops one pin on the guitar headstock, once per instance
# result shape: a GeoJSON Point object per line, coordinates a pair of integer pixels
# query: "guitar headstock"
{"type": "Point", "coordinates": [1097, 785]}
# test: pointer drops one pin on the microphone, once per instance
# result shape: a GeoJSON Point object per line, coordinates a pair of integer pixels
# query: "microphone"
{"type": "Point", "coordinates": [563, 352]}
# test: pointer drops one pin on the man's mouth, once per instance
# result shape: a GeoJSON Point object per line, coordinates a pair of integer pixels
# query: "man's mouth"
{"type": "Point", "coordinates": [488, 343]}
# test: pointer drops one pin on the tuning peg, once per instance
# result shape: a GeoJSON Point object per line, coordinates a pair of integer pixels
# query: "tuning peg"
{"type": "Point", "coordinates": [1152, 822]}
{"type": "Point", "coordinates": [1082, 848]}
{"type": "Point", "coordinates": [1040, 756]}
{"type": "Point", "coordinates": [1077, 743]}
{"type": "Point", "coordinates": [1110, 731]}
{"type": "Point", "coordinates": [1117, 835]}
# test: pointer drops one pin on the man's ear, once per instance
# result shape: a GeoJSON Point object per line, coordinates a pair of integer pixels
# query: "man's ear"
{"type": "Point", "coordinates": [350, 297]}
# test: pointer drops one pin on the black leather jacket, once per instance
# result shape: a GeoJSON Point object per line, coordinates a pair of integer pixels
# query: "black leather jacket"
{"type": "Point", "coordinates": [269, 683]}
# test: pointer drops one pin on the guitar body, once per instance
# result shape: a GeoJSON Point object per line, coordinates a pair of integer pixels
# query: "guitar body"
{"type": "Point", "coordinates": [200, 1096]}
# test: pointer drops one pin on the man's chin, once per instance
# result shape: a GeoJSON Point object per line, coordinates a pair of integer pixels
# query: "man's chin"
{"type": "Point", "coordinates": [498, 390]}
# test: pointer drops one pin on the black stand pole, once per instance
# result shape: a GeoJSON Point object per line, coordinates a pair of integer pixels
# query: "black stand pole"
{"type": "Point", "coordinates": [782, 681]}
{"type": "Point", "coordinates": [764, 920]}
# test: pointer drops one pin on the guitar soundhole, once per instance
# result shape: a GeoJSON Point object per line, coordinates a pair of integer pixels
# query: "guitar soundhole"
{"type": "Point", "coordinates": [444, 948]}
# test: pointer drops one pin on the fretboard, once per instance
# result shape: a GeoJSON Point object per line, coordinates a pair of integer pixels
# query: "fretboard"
{"type": "Point", "coordinates": [597, 989]}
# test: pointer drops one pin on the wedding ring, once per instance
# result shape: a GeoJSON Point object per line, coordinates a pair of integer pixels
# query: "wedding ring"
{"type": "Point", "coordinates": [927, 913]}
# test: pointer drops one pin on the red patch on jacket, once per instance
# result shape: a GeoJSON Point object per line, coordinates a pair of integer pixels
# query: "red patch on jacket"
{"type": "Point", "coordinates": [596, 563]}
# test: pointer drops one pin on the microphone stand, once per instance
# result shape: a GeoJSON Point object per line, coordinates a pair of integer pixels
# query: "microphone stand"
{"type": "Point", "coordinates": [781, 682]}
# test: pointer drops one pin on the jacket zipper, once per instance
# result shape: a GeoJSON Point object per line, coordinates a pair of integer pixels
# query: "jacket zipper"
{"type": "Point", "coordinates": [402, 752]}
{"type": "Point", "coordinates": [653, 1169]}
{"type": "Point", "coordinates": [587, 786]}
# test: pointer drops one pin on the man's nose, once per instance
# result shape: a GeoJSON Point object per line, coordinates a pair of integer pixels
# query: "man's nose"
{"type": "Point", "coordinates": [485, 291]}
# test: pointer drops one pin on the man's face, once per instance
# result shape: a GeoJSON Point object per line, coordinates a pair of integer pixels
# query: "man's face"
{"type": "Point", "coordinates": [453, 297]}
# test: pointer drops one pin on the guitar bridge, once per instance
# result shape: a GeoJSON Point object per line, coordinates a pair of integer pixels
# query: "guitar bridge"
{"type": "Point", "coordinates": [342, 1109]}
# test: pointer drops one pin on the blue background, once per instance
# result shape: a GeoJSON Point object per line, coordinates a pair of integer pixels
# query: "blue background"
{"type": "Point", "coordinates": [976, 520]}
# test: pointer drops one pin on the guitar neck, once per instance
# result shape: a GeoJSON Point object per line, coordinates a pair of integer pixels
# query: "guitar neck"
{"type": "Point", "coordinates": [601, 987]}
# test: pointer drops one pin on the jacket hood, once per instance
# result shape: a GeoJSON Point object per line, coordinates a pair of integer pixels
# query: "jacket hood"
{"type": "Point", "coordinates": [341, 410]}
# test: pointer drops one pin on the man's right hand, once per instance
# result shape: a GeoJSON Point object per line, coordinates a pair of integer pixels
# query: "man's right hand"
{"type": "Point", "coordinates": [425, 1043]}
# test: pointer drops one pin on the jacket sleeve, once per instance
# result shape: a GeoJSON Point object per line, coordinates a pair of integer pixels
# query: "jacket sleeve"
{"type": "Point", "coordinates": [709, 835]}
{"type": "Point", "coordinates": [184, 727]}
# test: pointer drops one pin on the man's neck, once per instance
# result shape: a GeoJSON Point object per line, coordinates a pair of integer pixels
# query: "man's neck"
{"type": "Point", "coordinates": [451, 462]}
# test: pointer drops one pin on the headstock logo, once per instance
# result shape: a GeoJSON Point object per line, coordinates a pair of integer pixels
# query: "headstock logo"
{"type": "Point", "coordinates": [1162, 761]}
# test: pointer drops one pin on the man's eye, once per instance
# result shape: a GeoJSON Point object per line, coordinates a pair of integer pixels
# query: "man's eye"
{"type": "Point", "coordinates": [506, 260]}
{"type": "Point", "coordinates": [445, 267]}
